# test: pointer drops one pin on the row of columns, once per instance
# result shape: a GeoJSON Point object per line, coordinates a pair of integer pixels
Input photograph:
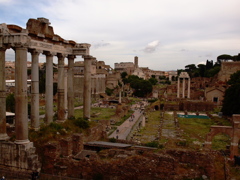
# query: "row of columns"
{"type": "Point", "coordinates": [183, 88]}
{"type": "Point", "coordinates": [21, 98]}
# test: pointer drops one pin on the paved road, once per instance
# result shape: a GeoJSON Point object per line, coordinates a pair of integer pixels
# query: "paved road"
{"type": "Point", "coordinates": [125, 128]}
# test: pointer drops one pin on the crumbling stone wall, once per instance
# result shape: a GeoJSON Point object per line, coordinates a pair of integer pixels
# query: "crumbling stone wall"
{"type": "Point", "coordinates": [196, 106]}
{"type": "Point", "coordinates": [228, 68]}
{"type": "Point", "coordinates": [122, 164]}
{"type": "Point", "coordinates": [19, 156]}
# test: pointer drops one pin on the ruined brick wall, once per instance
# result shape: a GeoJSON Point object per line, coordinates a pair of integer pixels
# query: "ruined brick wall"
{"type": "Point", "coordinates": [122, 164]}
{"type": "Point", "coordinates": [196, 106]}
{"type": "Point", "coordinates": [228, 68]}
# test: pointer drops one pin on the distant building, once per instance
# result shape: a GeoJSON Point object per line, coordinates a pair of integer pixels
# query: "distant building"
{"type": "Point", "coordinates": [138, 72]}
{"type": "Point", "coordinates": [215, 94]}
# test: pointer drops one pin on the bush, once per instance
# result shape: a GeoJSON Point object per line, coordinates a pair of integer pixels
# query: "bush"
{"type": "Point", "coordinates": [153, 144]}
{"type": "Point", "coordinates": [112, 140]}
{"type": "Point", "coordinates": [81, 123]}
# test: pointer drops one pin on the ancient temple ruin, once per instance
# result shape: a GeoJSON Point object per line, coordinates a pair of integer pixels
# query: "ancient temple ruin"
{"type": "Point", "coordinates": [38, 37]}
{"type": "Point", "coordinates": [184, 76]}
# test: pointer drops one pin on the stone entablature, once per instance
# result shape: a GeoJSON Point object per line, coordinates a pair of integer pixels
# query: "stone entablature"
{"type": "Point", "coordinates": [39, 35]}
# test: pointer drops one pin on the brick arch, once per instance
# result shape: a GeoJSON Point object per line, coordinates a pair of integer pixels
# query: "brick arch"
{"type": "Point", "coordinates": [233, 131]}
{"type": "Point", "coordinates": [215, 130]}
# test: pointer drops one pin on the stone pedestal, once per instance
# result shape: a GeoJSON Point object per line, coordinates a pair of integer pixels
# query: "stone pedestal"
{"type": "Point", "coordinates": [19, 156]}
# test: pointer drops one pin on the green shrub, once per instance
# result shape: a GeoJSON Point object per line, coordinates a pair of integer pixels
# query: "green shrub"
{"type": "Point", "coordinates": [153, 144]}
{"type": "Point", "coordinates": [112, 140]}
{"type": "Point", "coordinates": [82, 123]}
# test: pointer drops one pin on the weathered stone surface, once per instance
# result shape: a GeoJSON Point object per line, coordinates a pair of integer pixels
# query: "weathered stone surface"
{"type": "Point", "coordinates": [128, 164]}
{"type": "Point", "coordinates": [19, 156]}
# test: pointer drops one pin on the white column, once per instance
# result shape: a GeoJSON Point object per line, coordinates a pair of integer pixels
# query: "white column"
{"type": "Point", "coordinates": [21, 100]}
{"type": "Point", "coordinates": [87, 86]}
{"type": "Point", "coordinates": [183, 93]}
{"type": "Point", "coordinates": [61, 103]}
{"type": "Point", "coordinates": [178, 88]}
{"type": "Point", "coordinates": [189, 84]}
{"type": "Point", "coordinates": [49, 87]}
{"type": "Point", "coordinates": [70, 89]}
{"type": "Point", "coordinates": [35, 90]}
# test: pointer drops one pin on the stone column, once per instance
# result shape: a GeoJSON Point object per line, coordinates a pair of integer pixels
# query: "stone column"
{"type": "Point", "coordinates": [178, 88]}
{"type": "Point", "coordinates": [61, 103]}
{"type": "Point", "coordinates": [3, 132]}
{"type": "Point", "coordinates": [21, 100]}
{"type": "Point", "coordinates": [183, 88]}
{"type": "Point", "coordinates": [49, 87]}
{"type": "Point", "coordinates": [70, 90]}
{"type": "Point", "coordinates": [87, 86]}
{"type": "Point", "coordinates": [189, 84]}
{"type": "Point", "coordinates": [120, 96]}
{"type": "Point", "coordinates": [35, 90]}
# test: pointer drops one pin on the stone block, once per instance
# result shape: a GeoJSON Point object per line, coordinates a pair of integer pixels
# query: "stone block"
{"type": "Point", "coordinates": [66, 147]}
{"type": "Point", "coordinates": [77, 143]}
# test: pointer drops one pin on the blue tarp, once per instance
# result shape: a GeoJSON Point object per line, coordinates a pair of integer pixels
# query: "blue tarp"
{"type": "Point", "coordinates": [193, 116]}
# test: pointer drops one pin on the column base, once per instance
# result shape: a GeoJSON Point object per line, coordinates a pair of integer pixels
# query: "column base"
{"type": "Point", "coordinates": [60, 121]}
{"type": "Point", "coordinates": [26, 141]}
{"type": "Point", "coordinates": [4, 137]}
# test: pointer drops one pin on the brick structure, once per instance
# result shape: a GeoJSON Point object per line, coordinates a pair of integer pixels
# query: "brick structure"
{"type": "Point", "coordinates": [232, 131]}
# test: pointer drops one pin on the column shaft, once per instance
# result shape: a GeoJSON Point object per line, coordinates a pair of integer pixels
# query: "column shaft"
{"type": "Point", "coordinates": [183, 88]}
{"type": "Point", "coordinates": [3, 134]}
{"type": "Point", "coordinates": [178, 88]}
{"type": "Point", "coordinates": [61, 104]}
{"type": "Point", "coordinates": [70, 89]}
{"type": "Point", "coordinates": [35, 90]}
{"type": "Point", "coordinates": [21, 101]}
{"type": "Point", "coordinates": [87, 87]}
{"type": "Point", "coordinates": [49, 88]}
{"type": "Point", "coordinates": [189, 84]}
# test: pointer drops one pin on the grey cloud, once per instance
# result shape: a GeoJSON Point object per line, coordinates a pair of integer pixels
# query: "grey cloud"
{"type": "Point", "coordinates": [99, 45]}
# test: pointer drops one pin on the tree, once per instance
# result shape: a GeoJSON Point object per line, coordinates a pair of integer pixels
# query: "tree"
{"type": "Point", "coordinates": [202, 69]}
{"type": "Point", "coordinates": [142, 88]}
{"type": "Point", "coordinates": [109, 91]}
{"type": "Point", "coordinates": [190, 67]}
{"type": "Point", "coordinates": [224, 57]}
{"type": "Point", "coordinates": [153, 81]}
{"type": "Point", "coordinates": [124, 75]}
{"type": "Point", "coordinates": [231, 102]}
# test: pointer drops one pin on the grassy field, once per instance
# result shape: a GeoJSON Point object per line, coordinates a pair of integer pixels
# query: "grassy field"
{"type": "Point", "coordinates": [190, 134]}
{"type": "Point", "coordinates": [96, 113]}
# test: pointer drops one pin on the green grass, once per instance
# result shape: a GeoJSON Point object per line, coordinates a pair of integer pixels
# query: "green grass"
{"type": "Point", "coordinates": [220, 142]}
{"type": "Point", "coordinates": [151, 128]}
{"type": "Point", "coordinates": [97, 113]}
{"type": "Point", "coordinates": [195, 129]}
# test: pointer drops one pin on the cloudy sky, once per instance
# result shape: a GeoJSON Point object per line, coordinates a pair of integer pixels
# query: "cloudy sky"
{"type": "Point", "coordinates": [164, 34]}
